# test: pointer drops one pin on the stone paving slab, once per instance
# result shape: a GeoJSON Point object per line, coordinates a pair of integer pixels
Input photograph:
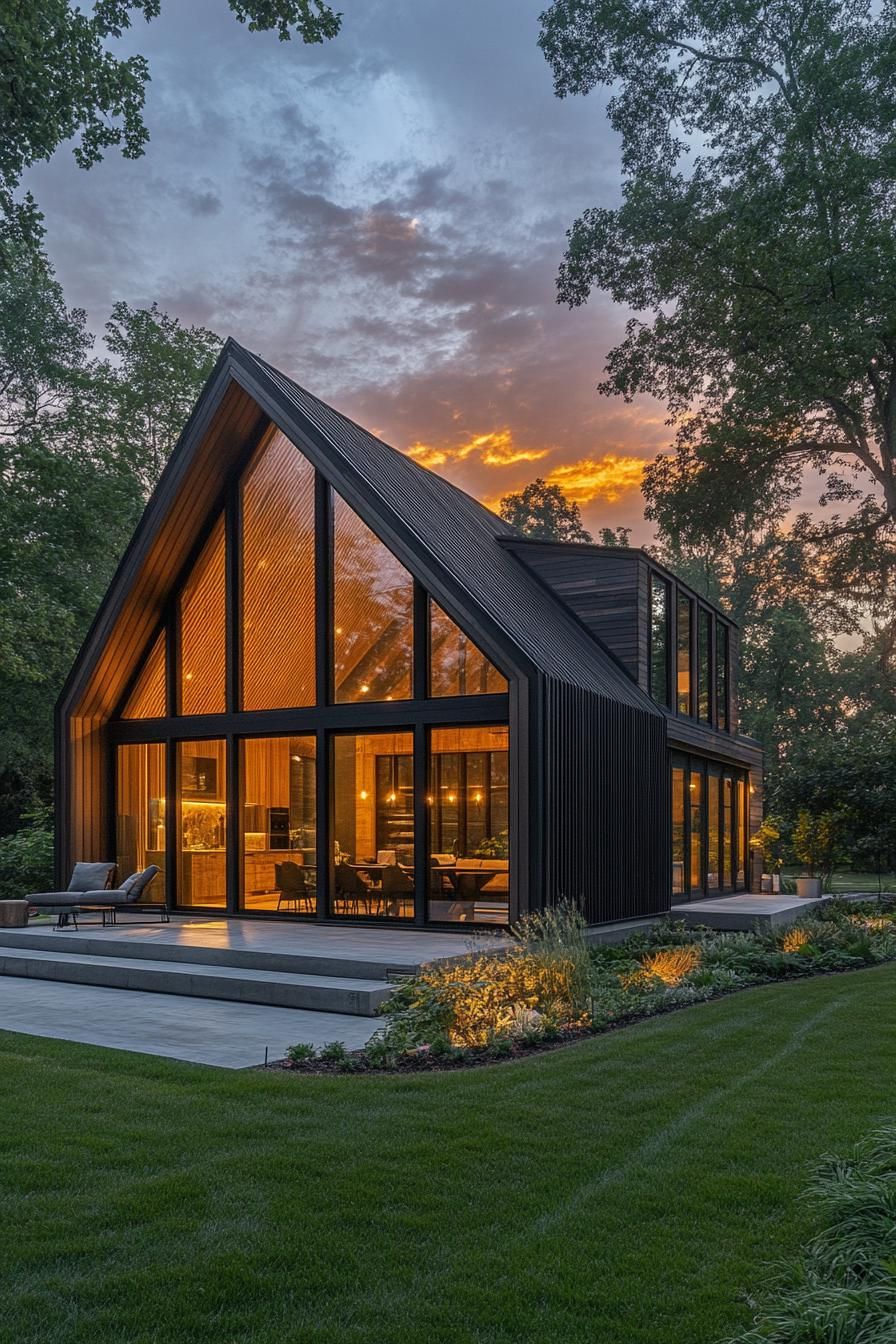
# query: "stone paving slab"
{"type": "Point", "coordinates": [201, 1031]}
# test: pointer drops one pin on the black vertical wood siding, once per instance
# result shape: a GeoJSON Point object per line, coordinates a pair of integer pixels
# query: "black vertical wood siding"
{"type": "Point", "coordinates": [607, 815]}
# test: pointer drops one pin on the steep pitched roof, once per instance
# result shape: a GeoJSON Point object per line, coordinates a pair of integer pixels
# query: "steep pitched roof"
{"type": "Point", "coordinates": [464, 538]}
{"type": "Point", "coordinates": [447, 539]}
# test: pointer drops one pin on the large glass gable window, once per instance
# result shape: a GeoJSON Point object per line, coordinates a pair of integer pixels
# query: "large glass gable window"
{"type": "Point", "coordinates": [373, 607]}
{"type": "Point", "coordinates": [148, 699]}
{"type": "Point", "coordinates": [202, 627]}
{"type": "Point", "coordinates": [278, 578]}
{"type": "Point", "coordinates": [312, 796]}
{"type": "Point", "coordinates": [456, 665]}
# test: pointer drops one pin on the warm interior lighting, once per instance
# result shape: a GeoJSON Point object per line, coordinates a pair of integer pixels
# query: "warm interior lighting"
{"type": "Point", "coordinates": [364, 688]}
{"type": "Point", "coordinates": [188, 676]}
{"type": "Point", "coordinates": [477, 797]}
{"type": "Point", "coordinates": [390, 798]}
{"type": "Point", "coordinates": [363, 795]}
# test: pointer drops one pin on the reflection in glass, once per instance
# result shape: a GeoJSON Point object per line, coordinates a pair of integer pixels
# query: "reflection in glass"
{"type": "Point", "coordinates": [373, 825]}
{"type": "Point", "coordinates": [140, 813]}
{"type": "Point", "coordinates": [148, 699]}
{"type": "Point", "coordinates": [279, 818]}
{"type": "Point", "coordinates": [201, 824]}
{"type": "Point", "coordinates": [202, 627]}
{"type": "Point", "coordinates": [469, 824]}
{"type": "Point", "coordinates": [457, 666]}
{"type": "Point", "coordinates": [683, 654]}
{"type": "Point", "coordinates": [373, 601]}
{"type": "Point", "coordinates": [278, 578]}
{"type": "Point", "coordinates": [678, 819]}
{"type": "Point", "coordinates": [659, 640]}
{"type": "Point", "coordinates": [703, 630]}
{"type": "Point", "coordinates": [713, 870]}
{"type": "Point", "coordinates": [722, 675]}
{"type": "Point", "coordinates": [695, 790]}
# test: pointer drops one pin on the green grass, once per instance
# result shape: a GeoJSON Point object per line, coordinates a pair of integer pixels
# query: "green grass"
{"type": "Point", "coordinates": [848, 880]}
{"type": "Point", "coordinates": [624, 1190]}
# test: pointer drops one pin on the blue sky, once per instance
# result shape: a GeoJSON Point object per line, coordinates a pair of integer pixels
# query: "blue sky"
{"type": "Point", "coordinates": [383, 218]}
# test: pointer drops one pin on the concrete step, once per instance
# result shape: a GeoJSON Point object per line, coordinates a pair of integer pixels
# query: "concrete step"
{"type": "Point", "coordinates": [282, 989]}
{"type": "Point", "coordinates": [107, 943]}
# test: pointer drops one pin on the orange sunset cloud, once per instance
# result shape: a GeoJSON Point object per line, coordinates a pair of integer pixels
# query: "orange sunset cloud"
{"type": "Point", "coordinates": [605, 477]}
{"type": "Point", "coordinates": [496, 449]}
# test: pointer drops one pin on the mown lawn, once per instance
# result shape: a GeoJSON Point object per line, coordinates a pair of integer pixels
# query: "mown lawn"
{"type": "Point", "coordinates": [625, 1190]}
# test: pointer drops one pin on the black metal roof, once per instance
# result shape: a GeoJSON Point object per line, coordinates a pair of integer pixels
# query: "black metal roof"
{"type": "Point", "coordinates": [460, 534]}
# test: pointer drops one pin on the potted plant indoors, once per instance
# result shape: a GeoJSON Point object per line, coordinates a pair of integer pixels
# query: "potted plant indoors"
{"type": "Point", "coordinates": [815, 846]}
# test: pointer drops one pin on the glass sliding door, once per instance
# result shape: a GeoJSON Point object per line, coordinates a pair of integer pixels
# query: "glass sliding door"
{"type": "Point", "coordinates": [695, 790]}
{"type": "Point", "coordinates": [678, 832]}
{"type": "Point", "coordinates": [714, 880]}
{"type": "Point", "coordinates": [740, 868]}
{"type": "Point", "coordinates": [468, 824]}
{"type": "Point", "coordinates": [140, 813]}
{"type": "Point", "coordinates": [372, 828]}
{"type": "Point", "coordinates": [729, 839]}
{"type": "Point", "coordinates": [201, 831]}
{"type": "Point", "coordinates": [278, 825]}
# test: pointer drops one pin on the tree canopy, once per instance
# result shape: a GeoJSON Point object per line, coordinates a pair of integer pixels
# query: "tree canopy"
{"type": "Point", "coordinates": [62, 82]}
{"type": "Point", "coordinates": [544, 512]}
{"type": "Point", "coordinates": [82, 442]}
{"type": "Point", "coordinates": [755, 240]}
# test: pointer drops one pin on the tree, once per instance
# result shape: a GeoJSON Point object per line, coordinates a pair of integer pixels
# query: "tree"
{"type": "Point", "coordinates": [756, 240]}
{"type": "Point", "coordinates": [544, 512]}
{"type": "Point", "coordinates": [151, 389]}
{"type": "Point", "coordinates": [62, 82]}
{"type": "Point", "coordinates": [615, 536]}
{"type": "Point", "coordinates": [81, 443]}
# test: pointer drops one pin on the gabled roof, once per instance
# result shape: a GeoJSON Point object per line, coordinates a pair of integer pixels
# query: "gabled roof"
{"type": "Point", "coordinates": [449, 541]}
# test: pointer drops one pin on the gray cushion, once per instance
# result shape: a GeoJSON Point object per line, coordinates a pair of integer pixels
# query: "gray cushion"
{"type": "Point", "coordinates": [135, 885]}
{"type": "Point", "coordinates": [91, 876]}
{"type": "Point", "coordinates": [53, 898]}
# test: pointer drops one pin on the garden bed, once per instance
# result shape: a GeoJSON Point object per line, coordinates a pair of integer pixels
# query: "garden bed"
{"type": "Point", "coordinates": [552, 989]}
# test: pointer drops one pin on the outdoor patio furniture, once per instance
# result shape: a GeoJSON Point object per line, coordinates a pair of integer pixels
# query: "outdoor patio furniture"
{"type": "Point", "coordinates": [80, 896]}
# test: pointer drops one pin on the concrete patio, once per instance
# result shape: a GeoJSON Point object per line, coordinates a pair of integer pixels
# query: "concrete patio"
{"type": "Point", "coordinates": [745, 912]}
{"type": "Point", "coordinates": [214, 991]}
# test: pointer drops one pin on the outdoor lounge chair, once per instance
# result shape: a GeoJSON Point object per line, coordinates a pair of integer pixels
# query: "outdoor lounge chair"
{"type": "Point", "coordinates": [84, 892]}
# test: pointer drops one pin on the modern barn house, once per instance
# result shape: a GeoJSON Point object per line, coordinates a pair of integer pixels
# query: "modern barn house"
{"type": "Point", "coordinates": [325, 684]}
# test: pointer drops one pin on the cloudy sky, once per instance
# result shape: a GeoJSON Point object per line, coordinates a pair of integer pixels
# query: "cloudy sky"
{"type": "Point", "coordinates": [382, 218]}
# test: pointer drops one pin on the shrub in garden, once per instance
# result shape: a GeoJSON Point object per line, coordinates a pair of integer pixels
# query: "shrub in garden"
{"type": "Point", "coordinates": [26, 857]}
{"type": "Point", "coordinates": [843, 1287]}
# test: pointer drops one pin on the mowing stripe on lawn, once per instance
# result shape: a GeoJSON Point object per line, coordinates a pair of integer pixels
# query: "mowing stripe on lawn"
{"type": "Point", "coordinates": [657, 1142]}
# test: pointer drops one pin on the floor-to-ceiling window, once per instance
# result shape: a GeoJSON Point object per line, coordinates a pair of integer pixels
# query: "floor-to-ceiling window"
{"type": "Point", "coordinates": [468, 818]}
{"type": "Point", "coordinates": [140, 813]}
{"type": "Point", "coordinates": [709, 830]}
{"type": "Point", "coordinates": [679, 845]}
{"type": "Point", "coordinates": [373, 824]}
{"type": "Point", "coordinates": [714, 877]}
{"type": "Point", "coordinates": [329, 669]}
{"type": "Point", "coordinates": [278, 816]}
{"type": "Point", "coordinates": [201, 832]}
